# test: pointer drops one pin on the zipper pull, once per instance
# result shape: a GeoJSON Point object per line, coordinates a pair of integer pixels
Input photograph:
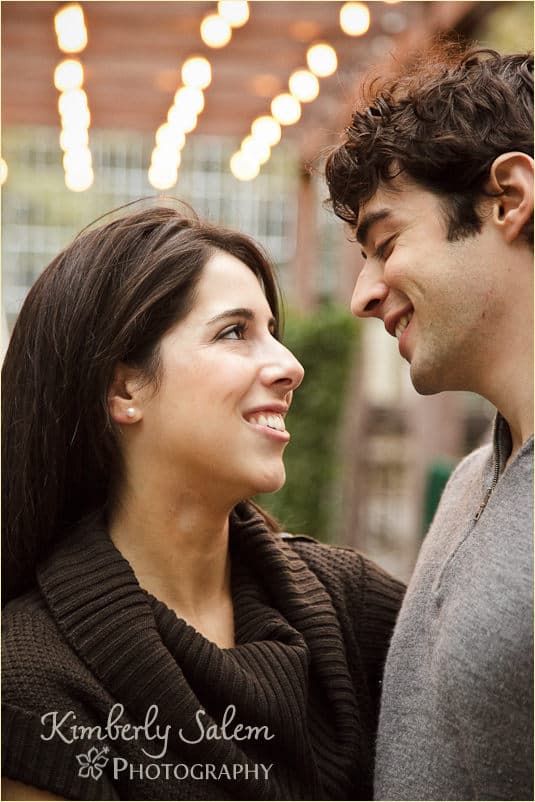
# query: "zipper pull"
{"type": "Point", "coordinates": [483, 505]}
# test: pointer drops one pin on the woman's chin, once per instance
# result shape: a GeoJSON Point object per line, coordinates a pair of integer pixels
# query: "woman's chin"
{"type": "Point", "coordinates": [270, 482]}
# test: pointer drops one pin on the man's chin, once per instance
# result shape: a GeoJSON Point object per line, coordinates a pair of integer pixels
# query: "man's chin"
{"type": "Point", "coordinates": [425, 382]}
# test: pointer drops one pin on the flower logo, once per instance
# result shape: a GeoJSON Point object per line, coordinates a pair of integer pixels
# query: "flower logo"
{"type": "Point", "coordinates": [92, 763]}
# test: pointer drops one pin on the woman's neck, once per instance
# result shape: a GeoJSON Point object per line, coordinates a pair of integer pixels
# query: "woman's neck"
{"type": "Point", "coordinates": [179, 553]}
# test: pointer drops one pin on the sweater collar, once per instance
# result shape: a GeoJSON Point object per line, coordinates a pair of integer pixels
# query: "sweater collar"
{"type": "Point", "coordinates": [143, 654]}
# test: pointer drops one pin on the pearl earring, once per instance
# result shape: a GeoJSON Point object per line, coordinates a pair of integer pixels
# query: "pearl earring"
{"type": "Point", "coordinates": [130, 412]}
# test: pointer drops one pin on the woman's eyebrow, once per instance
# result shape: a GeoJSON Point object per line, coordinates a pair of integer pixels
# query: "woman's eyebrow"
{"type": "Point", "coordinates": [238, 312]}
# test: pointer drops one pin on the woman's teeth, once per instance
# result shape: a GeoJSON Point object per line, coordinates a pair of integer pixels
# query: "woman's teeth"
{"type": "Point", "coordinates": [402, 324]}
{"type": "Point", "coordinates": [272, 421]}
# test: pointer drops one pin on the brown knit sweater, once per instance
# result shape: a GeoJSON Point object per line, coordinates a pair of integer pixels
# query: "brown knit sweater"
{"type": "Point", "coordinates": [290, 712]}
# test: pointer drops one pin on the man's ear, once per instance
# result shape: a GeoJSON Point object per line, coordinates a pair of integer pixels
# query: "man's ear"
{"type": "Point", "coordinates": [124, 396]}
{"type": "Point", "coordinates": [511, 174]}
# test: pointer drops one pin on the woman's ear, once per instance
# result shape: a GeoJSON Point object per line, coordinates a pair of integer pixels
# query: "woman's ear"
{"type": "Point", "coordinates": [124, 397]}
{"type": "Point", "coordinates": [511, 175]}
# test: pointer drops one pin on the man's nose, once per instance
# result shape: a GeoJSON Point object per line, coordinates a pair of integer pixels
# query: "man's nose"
{"type": "Point", "coordinates": [369, 294]}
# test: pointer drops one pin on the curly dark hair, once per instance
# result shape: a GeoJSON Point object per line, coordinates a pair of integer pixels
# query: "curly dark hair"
{"type": "Point", "coordinates": [442, 122]}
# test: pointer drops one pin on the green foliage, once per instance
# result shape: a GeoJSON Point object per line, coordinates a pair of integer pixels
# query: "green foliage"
{"type": "Point", "coordinates": [324, 344]}
{"type": "Point", "coordinates": [507, 27]}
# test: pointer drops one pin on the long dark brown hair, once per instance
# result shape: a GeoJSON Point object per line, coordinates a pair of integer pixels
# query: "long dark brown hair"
{"type": "Point", "coordinates": [109, 297]}
{"type": "Point", "coordinates": [441, 121]}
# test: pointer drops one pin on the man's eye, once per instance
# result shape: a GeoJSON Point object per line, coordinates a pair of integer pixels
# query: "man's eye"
{"type": "Point", "coordinates": [381, 251]}
{"type": "Point", "coordinates": [236, 332]}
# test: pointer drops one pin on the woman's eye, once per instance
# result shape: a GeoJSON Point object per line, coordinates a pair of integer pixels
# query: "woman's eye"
{"type": "Point", "coordinates": [236, 332]}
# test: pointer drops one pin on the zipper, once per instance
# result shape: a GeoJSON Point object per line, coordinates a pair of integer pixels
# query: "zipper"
{"type": "Point", "coordinates": [496, 474]}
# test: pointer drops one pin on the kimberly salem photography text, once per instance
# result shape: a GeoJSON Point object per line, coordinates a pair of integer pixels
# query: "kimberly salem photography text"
{"type": "Point", "coordinates": [64, 726]}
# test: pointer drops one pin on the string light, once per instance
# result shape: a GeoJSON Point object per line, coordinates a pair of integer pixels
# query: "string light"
{"type": "Point", "coordinates": [182, 120]}
{"type": "Point", "coordinates": [72, 103]}
{"type": "Point", "coordinates": [69, 74]}
{"type": "Point", "coordinates": [70, 28]}
{"type": "Point", "coordinates": [196, 72]}
{"type": "Point", "coordinates": [354, 19]}
{"type": "Point", "coordinates": [165, 157]}
{"type": "Point", "coordinates": [189, 98]}
{"type": "Point", "coordinates": [235, 12]}
{"type": "Point", "coordinates": [77, 159]}
{"type": "Point", "coordinates": [215, 31]}
{"type": "Point", "coordinates": [167, 136]}
{"type": "Point", "coordinates": [286, 109]}
{"type": "Point", "coordinates": [73, 107]}
{"type": "Point", "coordinates": [243, 167]}
{"type": "Point", "coordinates": [267, 130]}
{"type": "Point", "coordinates": [196, 75]}
{"type": "Point", "coordinates": [255, 149]}
{"type": "Point", "coordinates": [322, 59]}
{"type": "Point", "coordinates": [162, 177]}
{"type": "Point", "coordinates": [78, 180]}
{"type": "Point", "coordinates": [72, 137]}
{"type": "Point", "coordinates": [304, 86]}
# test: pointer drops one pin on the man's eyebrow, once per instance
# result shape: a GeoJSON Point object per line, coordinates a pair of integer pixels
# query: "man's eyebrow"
{"type": "Point", "coordinates": [368, 221]}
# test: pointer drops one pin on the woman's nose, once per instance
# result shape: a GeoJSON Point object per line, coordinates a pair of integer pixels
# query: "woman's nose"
{"type": "Point", "coordinates": [283, 369]}
{"type": "Point", "coordinates": [369, 293]}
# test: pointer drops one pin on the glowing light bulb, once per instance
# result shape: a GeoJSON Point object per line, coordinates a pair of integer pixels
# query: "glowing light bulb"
{"type": "Point", "coordinates": [256, 149]}
{"type": "Point", "coordinates": [235, 12]}
{"type": "Point", "coordinates": [162, 178]}
{"type": "Point", "coordinates": [243, 167]}
{"type": "Point", "coordinates": [70, 29]}
{"type": "Point", "coordinates": [354, 19]}
{"type": "Point", "coordinates": [304, 85]}
{"type": "Point", "coordinates": [182, 120]}
{"type": "Point", "coordinates": [3, 171]}
{"type": "Point", "coordinates": [166, 136]}
{"type": "Point", "coordinates": [71, 138]}
{"type": "Point", "coordinates": [196, 72]}
{"type": "Point", "coordinates": [77, 159]}
{"type": "Point", "coordinates": [76, 119]}
{"type": "Point", "coordinates": [79, 180]}
{"type": "Point", "coordinates": [286, 109]}
{"type": "Point", "coordinates": [166, 157]}
{"type": "Point", "coordinates": [69, 74]}
{"type": "Point", "coordinates": [72, 103]}
{"type": "Point", "coordinates": [267, 130]}
{"type": "Point", "coordinates": [322, 60]}
{"type": "Point", "coordinates": [189, 98]}
{"type": "Point", "coordinates": [215, 31]}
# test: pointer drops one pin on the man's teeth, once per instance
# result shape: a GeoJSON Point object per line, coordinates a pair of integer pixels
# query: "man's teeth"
{"type": "Point", "coordinates": [272, 421]}
{"type": "Point", "coordinates": [402, 324]}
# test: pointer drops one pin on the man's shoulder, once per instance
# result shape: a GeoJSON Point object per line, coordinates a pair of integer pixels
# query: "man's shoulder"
{"type": "Point", "coordinates": [475, 461]}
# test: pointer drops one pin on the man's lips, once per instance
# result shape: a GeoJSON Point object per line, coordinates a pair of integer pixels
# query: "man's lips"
{"type": "Point", "coordinates": [392, 319]}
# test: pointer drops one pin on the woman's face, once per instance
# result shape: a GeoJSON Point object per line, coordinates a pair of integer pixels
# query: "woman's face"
{"type": "Point", "coordinates": [216, 423]}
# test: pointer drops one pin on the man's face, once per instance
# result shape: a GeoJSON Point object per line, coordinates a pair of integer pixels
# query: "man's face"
{"type": "Point", "coordinates": [442, 300]}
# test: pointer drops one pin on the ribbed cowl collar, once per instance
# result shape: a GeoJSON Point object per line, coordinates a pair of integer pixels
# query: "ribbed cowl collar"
{"type": "Point", "coordinates": [288, 669]}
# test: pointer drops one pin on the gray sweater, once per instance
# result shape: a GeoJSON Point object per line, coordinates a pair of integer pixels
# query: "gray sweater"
{"type": "Point", "coordinates": [457, 712]}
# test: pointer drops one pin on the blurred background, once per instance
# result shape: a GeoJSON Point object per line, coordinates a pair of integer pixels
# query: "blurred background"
{"type": "Point", "coordinates": [231, 107]}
